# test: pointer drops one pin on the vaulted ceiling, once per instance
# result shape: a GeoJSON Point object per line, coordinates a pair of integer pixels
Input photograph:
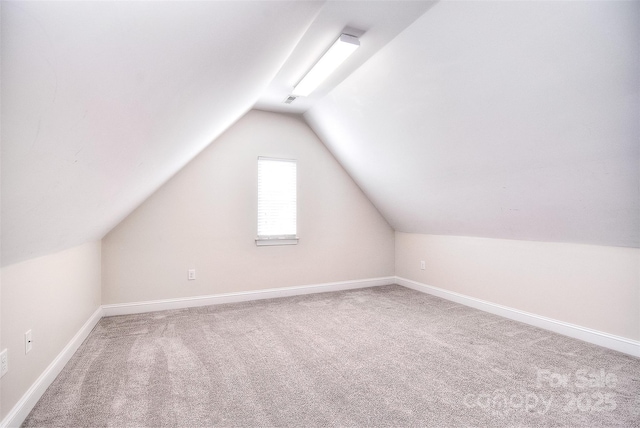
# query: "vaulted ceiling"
{"type": "Point", "coordinates": [500, 119]}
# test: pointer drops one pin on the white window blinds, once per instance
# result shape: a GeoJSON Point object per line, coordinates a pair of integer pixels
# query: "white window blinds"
{"type": "Point", "coordinates": [276, 201]}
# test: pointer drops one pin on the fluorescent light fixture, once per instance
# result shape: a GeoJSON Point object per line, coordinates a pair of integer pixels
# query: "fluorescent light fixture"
{"type": "Point", "coordinates": [337, 53]}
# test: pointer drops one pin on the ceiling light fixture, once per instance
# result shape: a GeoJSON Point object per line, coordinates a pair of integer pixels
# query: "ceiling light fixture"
{"type": "Point", "coordinates": [337, 53]}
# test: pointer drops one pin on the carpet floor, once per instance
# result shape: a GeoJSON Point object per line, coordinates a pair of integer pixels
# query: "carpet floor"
{"type": "Point", "coordinates": [381, 356]}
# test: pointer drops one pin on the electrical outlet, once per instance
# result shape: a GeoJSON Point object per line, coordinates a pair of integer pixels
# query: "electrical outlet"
{"type": "Point", "coordinates": [422, 265]}
{"type": "Point", "coordinates": [4, 362]}
{"type": "Point", "coordinates": [27, 342]}
{"type": "Point", "coordinates": [192, 274]}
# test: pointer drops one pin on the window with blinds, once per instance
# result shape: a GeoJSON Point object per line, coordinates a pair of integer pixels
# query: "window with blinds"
{"type": "Point", "coordinates": [276, 202]}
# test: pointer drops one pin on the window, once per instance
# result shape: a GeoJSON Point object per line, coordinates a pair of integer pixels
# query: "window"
{"type": "Point", "coordinates": [276, 202]}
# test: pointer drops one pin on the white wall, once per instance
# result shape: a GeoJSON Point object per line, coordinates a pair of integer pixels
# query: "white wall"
{"type": "Point", "coordinates": [592, 286]}
{"type": "Point", "coordinates": [205, 218]}
{"type": "Point", "coordinates": [53, 296]}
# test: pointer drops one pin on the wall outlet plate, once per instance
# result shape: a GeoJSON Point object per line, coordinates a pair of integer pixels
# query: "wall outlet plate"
{"type": "Point", "coordinates": [191, 274]}
{"type": "Point", "coordinates": [27, 342]}
{"type": "Point", "coordinates": [4, 362]}
{"type": "Point", "coordinates": [422, 265]}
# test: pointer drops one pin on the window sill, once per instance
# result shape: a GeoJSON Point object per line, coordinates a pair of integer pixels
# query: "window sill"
{"type": "Point", "coordinates": [266, 242]}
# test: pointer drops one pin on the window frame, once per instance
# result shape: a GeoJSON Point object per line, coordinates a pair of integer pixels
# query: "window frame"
{"type": "Point", "coordinates": [283, 239]}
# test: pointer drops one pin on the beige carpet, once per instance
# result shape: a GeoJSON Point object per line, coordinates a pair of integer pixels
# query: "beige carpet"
{"type": "Point", "coordinates": [383, 356]}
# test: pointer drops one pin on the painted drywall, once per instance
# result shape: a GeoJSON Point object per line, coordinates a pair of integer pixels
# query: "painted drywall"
{"type": "Point", "coordinates": [205, 218]}
{"type": "Point", "coordinates": [511, 120]}
{"type": "Point", "coordinates": [102, 102]}
{"type": "Point", "coordinates": [53, 296]}
{"type": "Point", "coordinates": [591, 286]}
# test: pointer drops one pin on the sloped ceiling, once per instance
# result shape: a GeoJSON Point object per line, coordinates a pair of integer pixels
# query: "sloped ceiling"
{"type": "Point", "coordinates": [103, 101]}
{"type": "Point", "coordinates": [515, 120]}
{"type": "Point", "coordinates": [500, 119]}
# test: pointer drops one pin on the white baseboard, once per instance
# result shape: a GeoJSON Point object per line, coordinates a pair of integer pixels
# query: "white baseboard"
{"type": "Point", "coordinates": [21, 410]}
{"type": "Point", "coordinates": [216, 299]}
{"type": "Point", "coordinates": [617, 343]}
